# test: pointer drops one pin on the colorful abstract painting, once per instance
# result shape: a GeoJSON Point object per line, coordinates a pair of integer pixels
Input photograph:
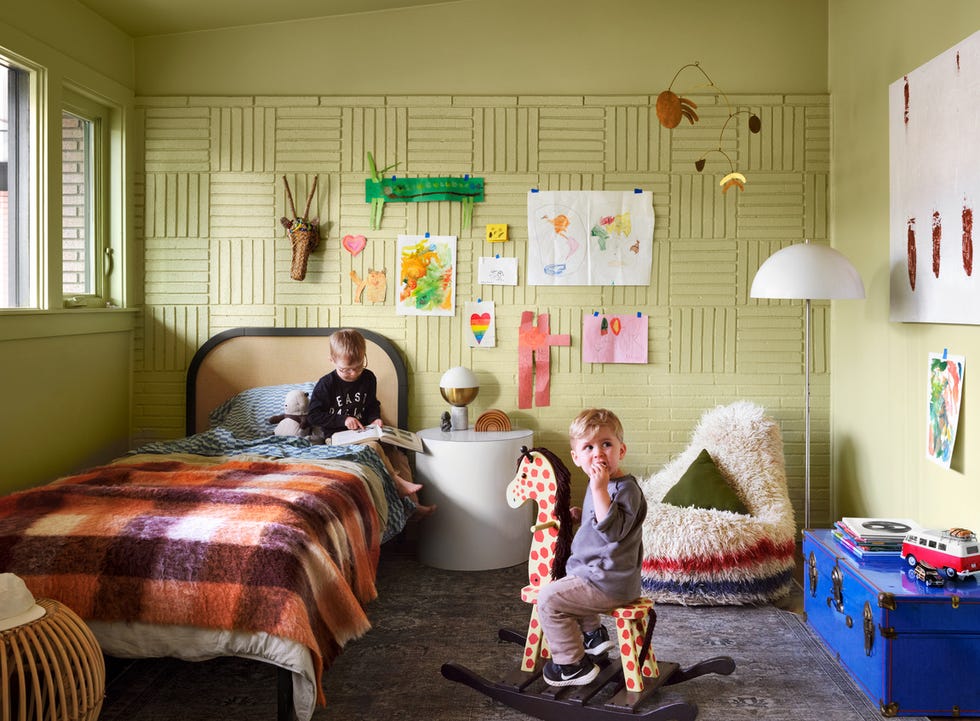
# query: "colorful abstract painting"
{"type": "Point", "coordinates": [426, 275]}
{"type": "Point", "coordinates": [589, 238]}
{"type": "Point", "coordinates": [615, 338]}
{"type": "Point", "coordinates": [945, 390]}
{"type": "Point", "coordinates": [479, 324]}
{"type": "Point", "coordinates": [935, 188]}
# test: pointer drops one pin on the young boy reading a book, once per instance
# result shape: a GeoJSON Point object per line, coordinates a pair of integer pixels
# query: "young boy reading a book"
{"type": "Point", "coordinates": [347, 399]}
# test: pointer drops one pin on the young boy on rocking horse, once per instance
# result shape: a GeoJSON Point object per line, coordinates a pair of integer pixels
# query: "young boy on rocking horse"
{"type": "Point", "coordinates": [603, 571]}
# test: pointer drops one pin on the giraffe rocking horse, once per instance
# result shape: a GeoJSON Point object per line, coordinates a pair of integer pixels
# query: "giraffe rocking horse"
{"type": "Point", "coordinates": [635, 676]}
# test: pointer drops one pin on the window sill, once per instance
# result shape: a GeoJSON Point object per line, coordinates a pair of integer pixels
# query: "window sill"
{"type": "Point", "coordinates": [26, 324]}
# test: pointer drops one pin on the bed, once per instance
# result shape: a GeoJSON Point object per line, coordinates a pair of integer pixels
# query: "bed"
{"type": "Point", "coordinates": [230, 541]}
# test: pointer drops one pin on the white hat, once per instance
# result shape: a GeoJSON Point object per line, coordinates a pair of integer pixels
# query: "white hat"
{"type": "Point", "coordinates": [17, 605]}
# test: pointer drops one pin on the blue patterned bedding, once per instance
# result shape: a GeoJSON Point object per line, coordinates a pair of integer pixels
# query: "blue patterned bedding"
{"type": "Point", "coordinates": [221, 441]}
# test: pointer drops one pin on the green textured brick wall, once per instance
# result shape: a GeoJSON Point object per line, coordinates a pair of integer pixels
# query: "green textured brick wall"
{"type": "Point", "coordinates": [210, 195]}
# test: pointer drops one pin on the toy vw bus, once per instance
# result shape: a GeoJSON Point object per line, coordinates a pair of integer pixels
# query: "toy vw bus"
{"type": "Point", "coordinates": [954, 552]}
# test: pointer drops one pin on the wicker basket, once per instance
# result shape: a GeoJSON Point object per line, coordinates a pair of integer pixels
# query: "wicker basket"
{"type": "Point", "coordinates": [51, 669]}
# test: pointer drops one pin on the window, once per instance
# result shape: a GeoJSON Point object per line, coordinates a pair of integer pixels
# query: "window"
{"type": "Point", "coordinates": [18, 277]}
{"type": "Point", "coordinates": [84, 161]}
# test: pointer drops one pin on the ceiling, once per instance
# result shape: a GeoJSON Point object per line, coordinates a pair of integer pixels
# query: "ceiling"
{"type": "Point", "coordinates": [140, 18]}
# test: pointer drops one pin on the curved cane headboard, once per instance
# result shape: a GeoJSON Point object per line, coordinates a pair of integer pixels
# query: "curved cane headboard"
{"type": "Point", "coordinates": [242, 358]}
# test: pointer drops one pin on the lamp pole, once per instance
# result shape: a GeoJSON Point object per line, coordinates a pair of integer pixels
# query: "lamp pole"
{"type": "Point", "coordinates": [806, 427]}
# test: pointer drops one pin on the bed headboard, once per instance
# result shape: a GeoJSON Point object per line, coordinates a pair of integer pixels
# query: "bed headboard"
{"type": "Point", "coordinates": [242, 358]}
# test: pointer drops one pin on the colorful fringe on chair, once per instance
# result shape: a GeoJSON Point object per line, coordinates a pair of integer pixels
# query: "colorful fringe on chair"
{"type": "Point", "coordinates": [700, 556]}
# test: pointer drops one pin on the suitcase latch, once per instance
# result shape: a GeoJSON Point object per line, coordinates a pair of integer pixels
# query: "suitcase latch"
{"type": "Point", "coordinates": [869, 629]}
{"type": "Point", "coordinates": [812, 566]}
{"type": "Point", "coordinates": [837, 587]}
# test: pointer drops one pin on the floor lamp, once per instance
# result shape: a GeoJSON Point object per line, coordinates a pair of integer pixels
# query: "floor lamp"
{"type": "Point", "coordinates": [807, 271]}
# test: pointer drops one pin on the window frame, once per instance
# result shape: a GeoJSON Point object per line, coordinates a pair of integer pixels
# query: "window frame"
{"type": "Point", "coordinates": [99, 249]}
{"type": "Point", "coordinates": [30, 167]}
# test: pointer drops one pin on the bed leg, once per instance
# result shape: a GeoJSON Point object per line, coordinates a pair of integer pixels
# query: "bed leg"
{"type": "Point", "coordinates": [284, 695]}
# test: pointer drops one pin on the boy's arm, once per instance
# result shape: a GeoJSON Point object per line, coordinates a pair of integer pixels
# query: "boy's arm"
{"type": "Point", "coordinates": [601, 502]}
{"type": "Point", "coordinates": [372, 406]}
{"type": "Point", "coordinates": [623, 512]}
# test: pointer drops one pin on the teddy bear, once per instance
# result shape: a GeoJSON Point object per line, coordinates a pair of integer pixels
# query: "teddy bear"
{"type": "Point", "coordinates": [294, 421]}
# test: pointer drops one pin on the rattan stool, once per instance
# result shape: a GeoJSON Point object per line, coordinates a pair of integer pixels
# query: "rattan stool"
{"type": "Point", "coordinates": [51, 669]}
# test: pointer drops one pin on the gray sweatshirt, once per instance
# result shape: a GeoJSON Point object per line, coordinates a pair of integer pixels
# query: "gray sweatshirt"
{"type": "Point", "coordinates": [609, 553]}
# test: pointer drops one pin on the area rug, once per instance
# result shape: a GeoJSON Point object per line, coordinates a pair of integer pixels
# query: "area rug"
{"type": "Point", "coordinates": [425, 617]}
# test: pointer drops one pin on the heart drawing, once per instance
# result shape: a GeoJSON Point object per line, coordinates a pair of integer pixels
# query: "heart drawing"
{"type": "Point", "coordinates": [354, 244]}
{"type": "Point", "coordinates": [479, 323]}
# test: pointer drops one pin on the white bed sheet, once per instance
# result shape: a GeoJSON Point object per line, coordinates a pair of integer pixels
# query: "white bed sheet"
{"type": "Point", "coordinates": [141, 640]}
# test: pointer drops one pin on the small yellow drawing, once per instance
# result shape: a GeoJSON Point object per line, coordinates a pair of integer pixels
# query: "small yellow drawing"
{"type": "Point", "coordinates": [496, 232]}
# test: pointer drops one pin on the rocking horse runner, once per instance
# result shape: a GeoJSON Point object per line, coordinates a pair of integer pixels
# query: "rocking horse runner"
{"type": "Point", "coordinates": [543, 478]}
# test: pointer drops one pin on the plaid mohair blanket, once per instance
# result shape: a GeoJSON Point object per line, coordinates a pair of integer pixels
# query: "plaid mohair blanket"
{"type": "Point", "coordinates": [282, 547]}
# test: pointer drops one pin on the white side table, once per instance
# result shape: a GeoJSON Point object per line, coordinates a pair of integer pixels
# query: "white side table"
{"type": "Point", "coordinates": [465, 473]}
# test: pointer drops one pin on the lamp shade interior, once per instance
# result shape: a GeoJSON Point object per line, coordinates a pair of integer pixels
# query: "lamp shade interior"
{"type": "Point", "coordinates": [807, 270]}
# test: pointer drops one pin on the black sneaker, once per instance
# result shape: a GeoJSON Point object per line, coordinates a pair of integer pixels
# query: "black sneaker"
{"type": "Point", "coordinates": [597, 642]}
{"type": "Point", "coordinates": [570, 674]}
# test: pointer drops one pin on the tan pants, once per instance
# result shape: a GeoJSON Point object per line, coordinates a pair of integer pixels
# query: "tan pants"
{"type": "Point", "coordinates": [568, 608]}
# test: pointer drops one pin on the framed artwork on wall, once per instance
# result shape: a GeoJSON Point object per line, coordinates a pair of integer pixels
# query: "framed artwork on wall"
{"type": "Point", "coordinates": [934, 147]}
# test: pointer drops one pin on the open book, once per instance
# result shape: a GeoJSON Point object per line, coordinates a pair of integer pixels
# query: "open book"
{"type": "Point", "coordinates": [385, 434]}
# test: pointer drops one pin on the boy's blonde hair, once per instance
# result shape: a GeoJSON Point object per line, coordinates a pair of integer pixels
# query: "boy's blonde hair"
{"type": "Point", "coordinates": [591, 420]}
{"type": "Point", "coordinates": [349, 345]}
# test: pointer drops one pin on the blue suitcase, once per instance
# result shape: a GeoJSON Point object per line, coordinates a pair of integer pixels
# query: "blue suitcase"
{"type": "Point", "coordinates": [913, 649]}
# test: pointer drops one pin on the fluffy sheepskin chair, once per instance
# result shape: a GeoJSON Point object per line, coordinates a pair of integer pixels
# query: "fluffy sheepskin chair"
{"type": "Point", "coordinates": [701, 556]}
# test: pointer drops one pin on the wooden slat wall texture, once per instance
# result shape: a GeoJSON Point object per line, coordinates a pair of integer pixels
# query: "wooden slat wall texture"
{"type": "Point", "coordinates": [209, 197]}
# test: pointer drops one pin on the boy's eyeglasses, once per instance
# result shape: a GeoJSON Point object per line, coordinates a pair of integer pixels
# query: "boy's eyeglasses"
{"type": "Point", "coordinates": [352, 369]}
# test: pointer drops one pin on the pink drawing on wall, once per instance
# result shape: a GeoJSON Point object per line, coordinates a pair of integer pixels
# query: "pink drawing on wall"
{"type": "Point", "coordinates": [615, 338]}
{"type": "Point", "coordinates": [934, 155]}
{"type": "Point", "coordinates": [534, 359]}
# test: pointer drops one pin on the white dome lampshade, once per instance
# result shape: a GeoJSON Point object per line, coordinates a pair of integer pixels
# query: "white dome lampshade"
{"type": "Point", "coordinates": [807, 271]}
{"type": "Point", "coordinates": [459, 387]}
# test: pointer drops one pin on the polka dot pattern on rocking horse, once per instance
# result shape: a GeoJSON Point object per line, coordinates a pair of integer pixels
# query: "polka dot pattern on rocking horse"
{"type": "Point", "coordinates": [543, 478]}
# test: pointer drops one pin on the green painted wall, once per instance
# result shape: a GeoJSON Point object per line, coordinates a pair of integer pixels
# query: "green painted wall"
{"type": "Point", "coordinates": [550, 102]}
{"type": "Point", "coordinates": [65, 376]}
{"type": "Point", "coordinates": [879, 390]}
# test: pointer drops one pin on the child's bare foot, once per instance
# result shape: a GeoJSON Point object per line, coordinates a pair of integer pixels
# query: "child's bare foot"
{"type": "Point", "coordinates": [407, 488]}
{"type": "Point", "coordinates": [423, 511]}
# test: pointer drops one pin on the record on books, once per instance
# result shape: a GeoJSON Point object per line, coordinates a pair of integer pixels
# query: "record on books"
{"type": "Point", "coordinates": [887, 526]}
{"type": "Point", "coordinates": [879, 529]}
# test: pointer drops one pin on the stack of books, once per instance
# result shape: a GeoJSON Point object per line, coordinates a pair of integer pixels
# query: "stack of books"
{"type": "Point", "coordinates": [873, 537]}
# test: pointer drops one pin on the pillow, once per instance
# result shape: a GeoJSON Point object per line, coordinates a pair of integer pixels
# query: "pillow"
{"type": "Point", "coordinates": [703, 486]}
{"type": "Point", "coordinates": [247, 414]}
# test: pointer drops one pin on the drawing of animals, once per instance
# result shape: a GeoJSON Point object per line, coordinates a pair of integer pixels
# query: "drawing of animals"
{"type": "Point", "coordinates": [376, 284]}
